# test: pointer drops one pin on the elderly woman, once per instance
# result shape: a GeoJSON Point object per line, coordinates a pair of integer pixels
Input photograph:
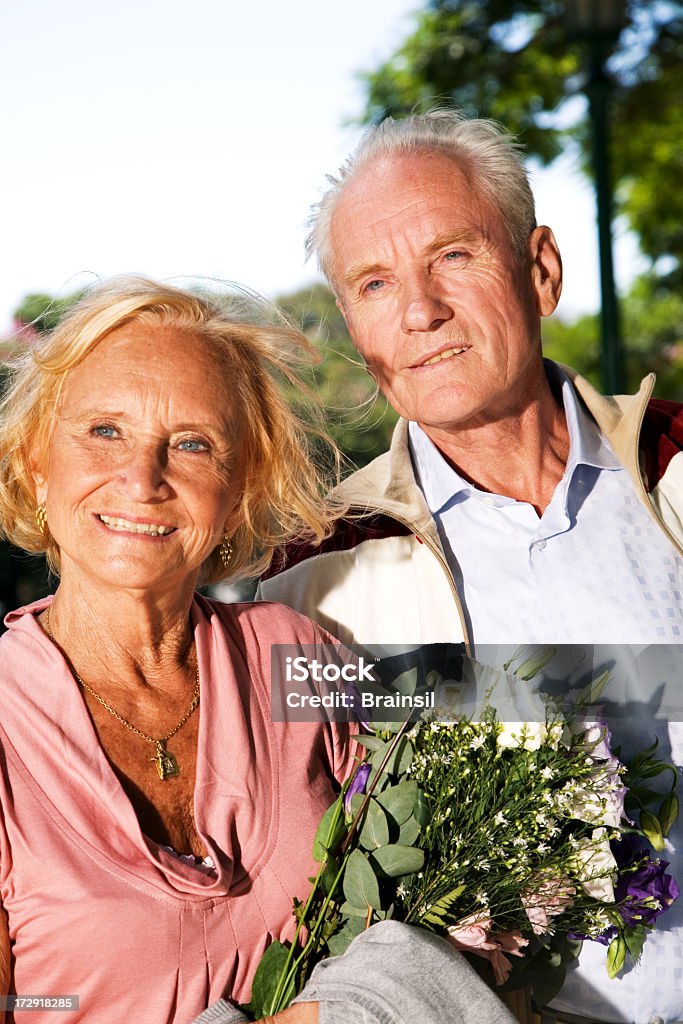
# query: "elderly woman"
{"type": "Point", "coordinates": [154, 822]}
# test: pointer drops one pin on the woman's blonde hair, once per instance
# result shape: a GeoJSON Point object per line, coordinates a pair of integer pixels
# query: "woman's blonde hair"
{"type": "Point", "coordinates": [287, 458]}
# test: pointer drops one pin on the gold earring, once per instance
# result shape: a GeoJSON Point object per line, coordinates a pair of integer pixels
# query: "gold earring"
{"type": "Point", "coordinates": [41, 518]}
{"type": "Point", "coordinates": [226, 549]}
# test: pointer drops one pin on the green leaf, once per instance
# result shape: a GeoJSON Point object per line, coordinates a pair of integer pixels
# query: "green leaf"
{"type": "Point", "coordinates": [406, 683]}
{"type": "Point", "coordinates": [546, 986]}
{"type": "Point", "coordinates": [266, 981]}
{"type": "Point", "coordinates": [441, 910]}
{"type": "Point", "coordinates": [402, 758]}
{"type": "Point", "coordinates": [329, 876]}
{"type": "Point", "coordinates": [409, 832]}
{"type": "Point", "coordinates": [635, 940]}
{"type": "Point", "coordinates": [371, 742]}
{"type": "Point", "coordinates": [668, 813]}
{"type": "Point", "coordinates": [533, 665]}
{"type": "Point", "coordinates": [329, 831]}
{"type": "Point", "coordinates": [395, 860]}
{"type": "Point", "coordinates": [423, 814]}
{"type": "Point", "coordinates": [594, 690]}
{"type": "Point", "coordinates": [360, 884]}
{"type": "Point", "coordinates": [399, 801]}
{"type": "Point", "coordinates": [375, 829]}
{"type": "Point", "coordinates": [348, 910]}
{"type": "Point", "coordinates": [652, 829]}
{"type": "Point", "coordinates": [616, 955]}
{"type": "Point", "coordinates": [340, 942]}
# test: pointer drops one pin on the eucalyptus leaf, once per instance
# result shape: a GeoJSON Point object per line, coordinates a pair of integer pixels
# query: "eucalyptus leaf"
{"type": "Point", "coordinates": [395, 860]}
{"type": "Point", "coordinates": [399, 801]}
{"type": "Point", "coordinates": [402, 758]}
{"type": "Point", "coordinates": [348, 910]}
{"type": "Point", "coordinates": [360, 884]}
{"type": "Point", "coordinates": [406, 683]}
{"type": "Point", "coordinates": [371, 742]}
{"type": "Point", "coordinates": [375, 829]}
{"type": "Point", "coordinates": [409, 832]}
{"type": "Point", "coordinates": [340, 942]}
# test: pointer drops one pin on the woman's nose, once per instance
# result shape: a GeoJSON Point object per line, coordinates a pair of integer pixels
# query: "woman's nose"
{"type": "Point", "coordinates": [145, 473]}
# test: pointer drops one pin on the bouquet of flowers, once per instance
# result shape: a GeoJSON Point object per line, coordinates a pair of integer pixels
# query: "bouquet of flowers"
{"type": "Point", "coordinates": [516, 841]}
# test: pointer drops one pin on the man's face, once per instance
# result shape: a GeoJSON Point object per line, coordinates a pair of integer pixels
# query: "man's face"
{"type": "Point", "coordinates": [435, 299]}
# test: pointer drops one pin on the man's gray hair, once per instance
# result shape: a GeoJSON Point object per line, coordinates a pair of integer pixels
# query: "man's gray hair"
{"type": "Point", "coordinates": [491, 158]}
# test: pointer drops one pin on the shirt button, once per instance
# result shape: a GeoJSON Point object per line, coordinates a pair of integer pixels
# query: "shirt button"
{"type": "Point", "coordinates": [539, 545]}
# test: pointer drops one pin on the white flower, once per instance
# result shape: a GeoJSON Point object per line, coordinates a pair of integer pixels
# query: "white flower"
{"type": "Point", "coordinates": [529, 735]}
{"type": "Point", "coordinates": [596, 867]}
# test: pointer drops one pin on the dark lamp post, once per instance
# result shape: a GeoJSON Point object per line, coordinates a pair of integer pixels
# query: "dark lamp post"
{"type": "Point", "coordinates": [596, 24]}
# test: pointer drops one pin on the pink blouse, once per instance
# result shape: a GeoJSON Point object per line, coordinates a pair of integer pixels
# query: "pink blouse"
{"type": "Point", "coordinates": [98, 910]}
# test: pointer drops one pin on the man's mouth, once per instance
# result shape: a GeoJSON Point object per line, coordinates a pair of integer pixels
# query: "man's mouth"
{"type": "Point", "coordinates": [446, 353]}
{"type": "Point", "coordinates": [127, 526]}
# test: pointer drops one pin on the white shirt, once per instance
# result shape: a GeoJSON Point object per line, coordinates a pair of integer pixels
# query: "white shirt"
{"type": "Point", "coordinates": [593, 570]}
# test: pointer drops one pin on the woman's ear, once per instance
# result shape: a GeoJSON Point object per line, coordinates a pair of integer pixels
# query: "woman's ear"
{"type": "Point", "coordinates": [38, 475]}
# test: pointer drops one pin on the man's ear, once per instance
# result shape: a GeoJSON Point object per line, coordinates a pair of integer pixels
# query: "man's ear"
{"type": "Point", "coordinates": [546, 269]}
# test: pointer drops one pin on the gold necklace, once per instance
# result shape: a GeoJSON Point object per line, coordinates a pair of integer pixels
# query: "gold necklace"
{"type": "Point", "coordinates": [166, 762]}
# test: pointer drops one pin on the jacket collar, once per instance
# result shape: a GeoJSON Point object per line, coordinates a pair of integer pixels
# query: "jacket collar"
{"type": "Point", "coordinates": [388, 483]}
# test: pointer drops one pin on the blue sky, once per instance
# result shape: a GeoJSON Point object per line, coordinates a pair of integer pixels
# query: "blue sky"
{"type": "Point", "coordinates": [176, 138]}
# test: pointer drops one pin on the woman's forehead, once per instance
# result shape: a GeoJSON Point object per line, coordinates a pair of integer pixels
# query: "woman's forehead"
{"type": "Point", "coordinates": [149, 362]}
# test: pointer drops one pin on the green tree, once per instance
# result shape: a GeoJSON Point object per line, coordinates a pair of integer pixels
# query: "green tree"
{"type": "Point", "coordinates": [652, 320]}
{"type": "Point", "coordinates": [511, 60]}
{"type": "Point", "coordinates": [43, 312]}
{"type": "Point", "coordinates": [359, 419]}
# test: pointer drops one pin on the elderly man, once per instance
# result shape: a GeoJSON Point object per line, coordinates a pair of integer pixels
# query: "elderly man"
{"type": "Point", "coordinates": [516, 504]}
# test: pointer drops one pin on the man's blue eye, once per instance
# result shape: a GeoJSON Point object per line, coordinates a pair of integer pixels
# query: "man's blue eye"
{"type": "Point", "coordinates": [373, 286]}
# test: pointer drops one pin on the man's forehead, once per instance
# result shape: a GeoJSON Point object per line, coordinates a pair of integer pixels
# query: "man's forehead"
{"type": "Point", "coordinates": [428, 195]}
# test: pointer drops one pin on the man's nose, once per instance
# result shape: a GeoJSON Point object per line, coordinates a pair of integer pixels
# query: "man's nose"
{"type": "Point", "coordinates": [425, 309]}
{"type": "Point", "coordinates": [145, 473]}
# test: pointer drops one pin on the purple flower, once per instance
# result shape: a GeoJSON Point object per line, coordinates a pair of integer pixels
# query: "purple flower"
{"type": "Point", "coordinates": [358, 784]}
{"type": "Point", "coordinates": [644, 890]}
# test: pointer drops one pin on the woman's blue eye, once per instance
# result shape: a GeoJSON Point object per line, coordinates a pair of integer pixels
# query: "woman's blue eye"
{"type": "Point", "coordinates": [191, 444]}
{"type": "Point", "coordinates": [104, 430]}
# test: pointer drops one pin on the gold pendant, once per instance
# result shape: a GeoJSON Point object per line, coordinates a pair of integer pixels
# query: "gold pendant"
{"type": "Point", "coordinates": [167, 766]}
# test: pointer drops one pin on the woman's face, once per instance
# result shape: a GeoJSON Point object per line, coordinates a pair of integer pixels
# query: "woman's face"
{"type": "Point", "coordinates": [142, 480]}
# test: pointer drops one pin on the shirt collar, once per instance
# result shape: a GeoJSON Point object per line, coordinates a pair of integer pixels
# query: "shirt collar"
{"type": "Point", "coordinates": [442, 485]}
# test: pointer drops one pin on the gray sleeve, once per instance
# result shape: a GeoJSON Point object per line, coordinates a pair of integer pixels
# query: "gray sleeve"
{"type": "Point", "coordinates": [221, 1012]}
{"type": "Point", "coordinates": [395, 974]}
